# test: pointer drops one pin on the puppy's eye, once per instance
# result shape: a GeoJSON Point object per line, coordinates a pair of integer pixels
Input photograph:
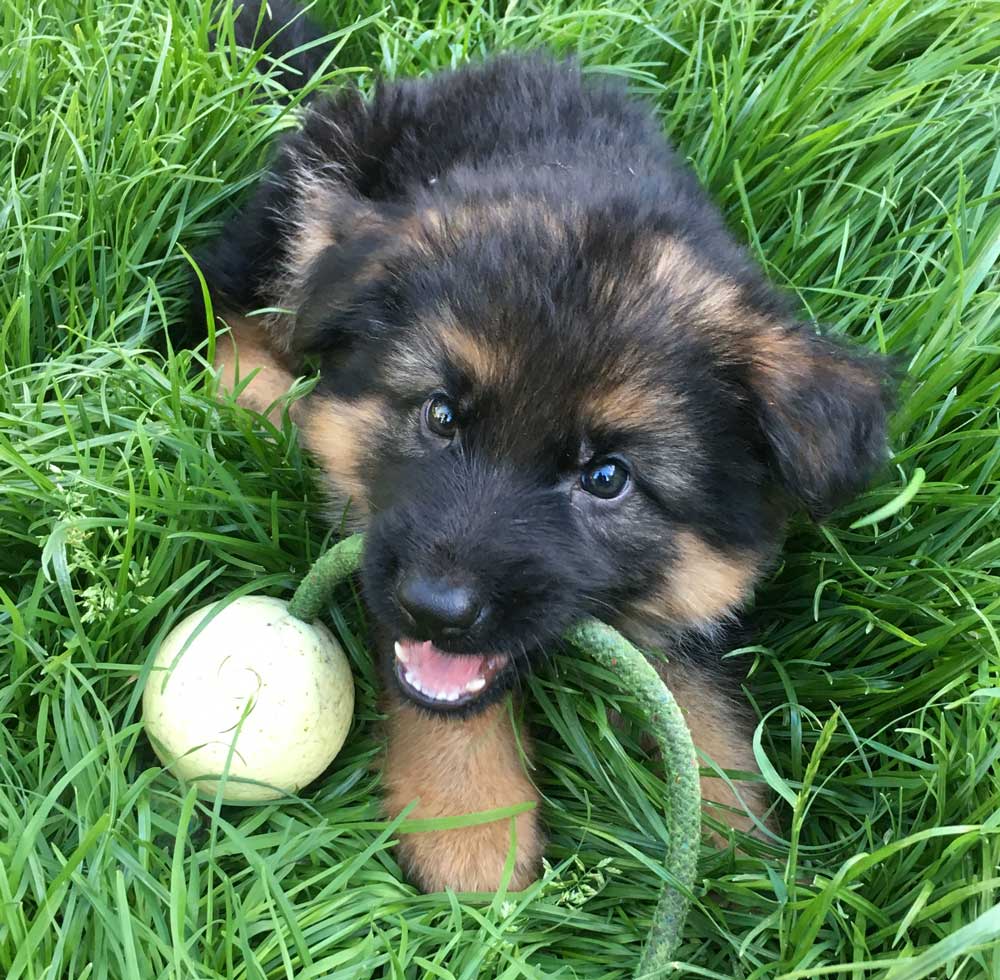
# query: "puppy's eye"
{"type": "Point", "coordinates": [441, 416]}
{"type": "Point", "coordinates": [605, 478]}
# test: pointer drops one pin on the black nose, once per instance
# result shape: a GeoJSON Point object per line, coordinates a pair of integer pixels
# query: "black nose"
{"type": "Point", "coordinates": [437, 606]}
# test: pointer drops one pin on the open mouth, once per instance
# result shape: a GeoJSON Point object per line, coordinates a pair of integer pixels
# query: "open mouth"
{"type": "Point", "coordinates": [445, 680]}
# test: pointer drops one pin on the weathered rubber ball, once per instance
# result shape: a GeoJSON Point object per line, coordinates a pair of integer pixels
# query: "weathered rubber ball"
{"type": "Point", "coordinates": [258, 689]}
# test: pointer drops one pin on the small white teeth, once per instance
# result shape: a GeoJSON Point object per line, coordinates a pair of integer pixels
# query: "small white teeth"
{"type": "Point", "coordinates": [452, 694]}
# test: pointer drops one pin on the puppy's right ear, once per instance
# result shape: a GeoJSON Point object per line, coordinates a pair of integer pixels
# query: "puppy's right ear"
{"type": "Point", "coordinates": [309, 205]}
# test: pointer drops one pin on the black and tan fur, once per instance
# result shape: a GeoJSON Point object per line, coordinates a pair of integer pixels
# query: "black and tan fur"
{"type": "Point", "coordinates": [525, 241]}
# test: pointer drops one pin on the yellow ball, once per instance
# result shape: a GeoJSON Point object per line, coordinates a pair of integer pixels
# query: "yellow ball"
{"type": "Point", "coordinates": [258, 690]}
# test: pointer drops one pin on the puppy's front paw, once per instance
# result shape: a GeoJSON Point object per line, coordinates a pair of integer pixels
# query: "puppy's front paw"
{"type": "Point", "coordinates": [453, 767]}
{"type": "Point", "coordinates": [472, 859]}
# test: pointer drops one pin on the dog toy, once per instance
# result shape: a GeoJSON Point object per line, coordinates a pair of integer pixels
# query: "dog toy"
{"type": "Point", "coordinates": [665, 721]}
{"type": "Point", "coordinates": [287, 633]}
{"type": "Point", "coordinates": [248, 689]}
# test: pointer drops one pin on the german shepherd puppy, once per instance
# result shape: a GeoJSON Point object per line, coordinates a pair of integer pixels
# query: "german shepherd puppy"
{"type": "Point", "coordinates": [552, 386]}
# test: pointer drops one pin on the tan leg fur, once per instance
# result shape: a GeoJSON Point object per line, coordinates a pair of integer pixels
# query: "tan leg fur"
{"type": "Point", "coordinates": [455, 767]}
{"type": "Point", "coordinates": [710, 717]}
{"type": "Point", "coordinates": [244, 350]}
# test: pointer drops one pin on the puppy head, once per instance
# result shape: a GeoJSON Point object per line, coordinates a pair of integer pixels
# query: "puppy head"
{"type": "Point", "coordinates": [540, 414]}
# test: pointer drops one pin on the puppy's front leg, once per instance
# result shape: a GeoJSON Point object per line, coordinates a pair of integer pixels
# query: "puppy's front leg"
{"type": "Point", "coordinates": [453, 767]}
{"type": "Point", "coordinates": [247, 349]}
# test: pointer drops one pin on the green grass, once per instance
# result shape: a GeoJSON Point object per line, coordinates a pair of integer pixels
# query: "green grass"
{"type": "Point", "coordinates": [854, 146]}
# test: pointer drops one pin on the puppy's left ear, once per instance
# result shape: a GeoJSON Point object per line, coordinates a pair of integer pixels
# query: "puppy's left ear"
{"type": "Point", "coordinates": [823, 413]}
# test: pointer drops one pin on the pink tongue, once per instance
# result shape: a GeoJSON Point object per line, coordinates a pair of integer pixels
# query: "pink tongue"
{"type": "Point", "coordinates": [438, 671]}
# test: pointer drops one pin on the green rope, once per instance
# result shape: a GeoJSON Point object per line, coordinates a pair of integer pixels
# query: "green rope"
{"type": "Point", "coordinates": [636, 675]}
{"type": "Point", "coordinates": [314, 593]}
{"type": "Point", "coordinates": [666, 723]}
